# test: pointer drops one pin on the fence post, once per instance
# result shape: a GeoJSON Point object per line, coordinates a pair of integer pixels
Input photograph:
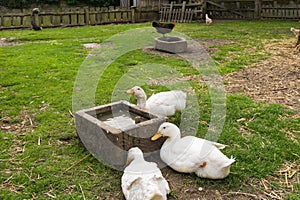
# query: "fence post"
{"type": "Point", "coordinates": [182, 11]}
{"type": "Point", "coordinates": [257, 11]}
{"type": "Point", "coordinates": [204, 8]}
{"type": "Point", "coordinates": [297, 7]}
{"type": "Point", "coordinates": [133, 14]}
{"type": "Point", "coordinates": [87, 16]}
{"type": "Point", "coordinates": [170, 11]}
{"type": "Point", "coordinates": [1, 20]}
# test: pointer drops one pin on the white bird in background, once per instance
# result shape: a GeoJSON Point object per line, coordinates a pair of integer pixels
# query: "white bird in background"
{"type": "Point", "coordinates": [163, 103]}
{"type": "Point", "coordinates": [208, 21]}
{"type": "Point", "coordinates": [297, 34]}
{"type": "Point", "coordinates": [295, 31]}
{"type": "Point", "coordinates": [143, 180]}
{"type": "Point", "coordinates": [192, 154]}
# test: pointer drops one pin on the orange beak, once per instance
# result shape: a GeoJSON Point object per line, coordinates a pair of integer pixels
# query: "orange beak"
{"type": "Point", "coordinates": [131, 91]}
{"type": "Point", "coordinates": [156, 136]}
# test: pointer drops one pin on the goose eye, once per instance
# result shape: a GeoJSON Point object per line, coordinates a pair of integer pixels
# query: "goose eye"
{"type": "Point", "coordinates": [164, 127]}
{"type": "Point", "coordinates": [138, 89]}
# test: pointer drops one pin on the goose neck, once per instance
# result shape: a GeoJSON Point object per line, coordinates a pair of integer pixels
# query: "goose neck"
{"type": "Point", "coordinates": [141, 102]}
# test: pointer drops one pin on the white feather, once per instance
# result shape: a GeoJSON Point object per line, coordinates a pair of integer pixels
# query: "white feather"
{"type": "Point", "coordinates": [163, 103]}
{"type": "Point", "coordinates": [191, 154]}
{"type": "Point", "coordinates": [143, 180]}
{"type": "Point", "coordinates": [208, 21]}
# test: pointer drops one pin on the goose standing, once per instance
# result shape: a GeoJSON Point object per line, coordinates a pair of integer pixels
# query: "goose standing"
{"type": "Point", "coordinates": [191, 154]}
{"type": "Point", "coordinates": [208, 21]}
{"type": "Point", "coordinates": [143, 180]}
{"type": "Point", "coordinates": [163, 103]}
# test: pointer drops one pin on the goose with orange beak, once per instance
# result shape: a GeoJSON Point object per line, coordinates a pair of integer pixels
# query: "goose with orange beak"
{"type": "Point", "coordinates": [162, 103]}
{"type": "Point", "coordinates": [190, 154]}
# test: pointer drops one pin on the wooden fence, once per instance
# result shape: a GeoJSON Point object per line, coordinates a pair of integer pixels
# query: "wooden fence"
{"type": "Point", "coordinates": [184, 12]}
{"type": "Point", "coordinates": [77, 17]}
{"type": "Point", "coordinates": [272, 9]}
{"type": "Point", "coordinates": [180, 12]}
{"type": "Point", "coordinates": [253, 9]}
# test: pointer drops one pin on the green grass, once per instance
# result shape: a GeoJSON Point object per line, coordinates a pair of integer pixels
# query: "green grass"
{"type": "Point", "coordinates": [37, 80]}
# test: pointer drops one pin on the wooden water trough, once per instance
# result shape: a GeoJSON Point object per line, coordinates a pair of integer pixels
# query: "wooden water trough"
{"type": "Point", "coordinates": [109, 143]}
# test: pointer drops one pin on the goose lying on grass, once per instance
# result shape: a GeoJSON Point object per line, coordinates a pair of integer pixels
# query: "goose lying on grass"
{"type": "Point", "coordinates": [163, 103]}
{"type": "Point", "coordinates": [143, 180]}
{"type": "Point", "coordinates": [191, 154]}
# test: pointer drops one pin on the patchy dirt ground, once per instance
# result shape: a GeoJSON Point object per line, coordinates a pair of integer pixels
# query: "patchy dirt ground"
{"type": "Point", "coordinates": [7, 42]}
{"type": "Point", "coordinates": [210, 44]}
{"type": "Point", "coordinates": [274, 80]}
{"type": "Point", "coordinates": [21, 125]}
{"type": "Point", "coordinates": [185, 188]}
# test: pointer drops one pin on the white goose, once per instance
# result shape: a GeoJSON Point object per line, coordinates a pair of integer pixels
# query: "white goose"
{"type": "Point", "coordinates": [191, 154]}
{"type": "Point", "coordinates": [143, 180]}
{"type": "Point", "coordinates": [208, 20]}
{"type": "Point", "coordinates": [163, 103]}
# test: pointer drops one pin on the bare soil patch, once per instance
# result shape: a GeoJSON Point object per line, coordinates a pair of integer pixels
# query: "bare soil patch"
{"type": "Point", "coordinates": [274, 80]}
{"type": "Point", "coordinates": [7, 42]}
{"type": "Point", "coordinates": [92, 45]}
{"type": "Point", "coordinates": [21, 125]}
{"type": "Point", "coordinates": [211, 44]}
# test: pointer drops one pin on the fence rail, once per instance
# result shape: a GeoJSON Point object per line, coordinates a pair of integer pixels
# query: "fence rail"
{"type": "Point", "coordinates": [77, 17]}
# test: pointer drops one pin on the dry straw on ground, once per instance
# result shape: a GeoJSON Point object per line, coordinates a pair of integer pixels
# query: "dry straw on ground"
{"type": "Point", "coordinates": [274, 80]}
